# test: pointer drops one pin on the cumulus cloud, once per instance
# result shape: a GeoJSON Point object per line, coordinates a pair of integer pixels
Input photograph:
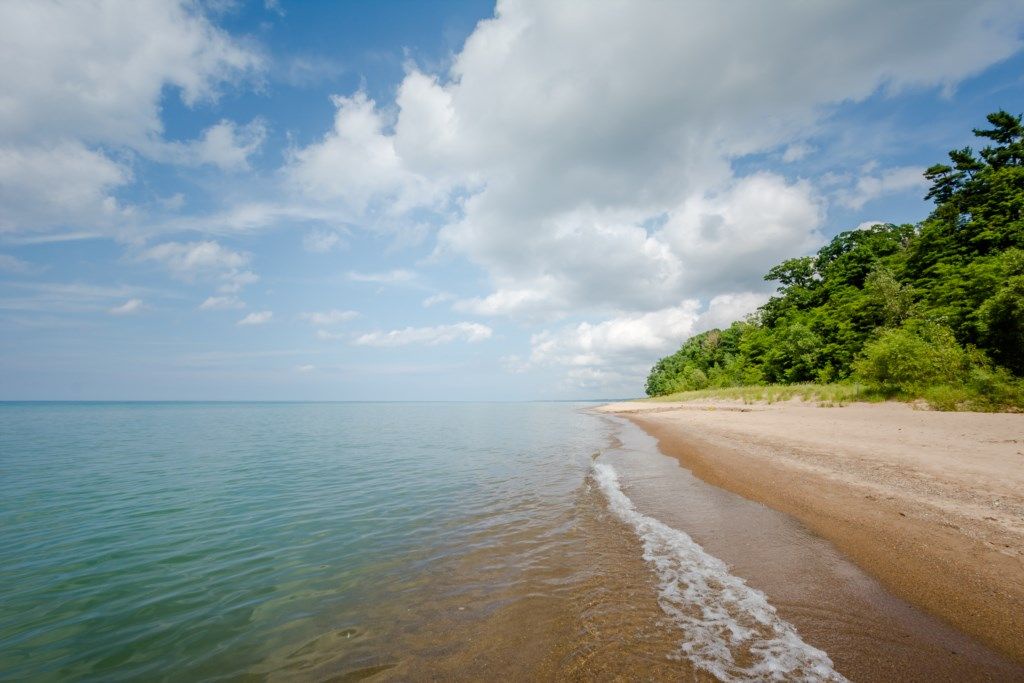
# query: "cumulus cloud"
{"type": "Point", "coordinates": [331, 317]}
{"type": "Point", "coordinates": [225, 145]}
{"type": "Point", "coordinates": [590, 149]}
{"type": "Point", "coordinates": [128, 307]}
{"type": "Point", "coordinates": [356, 163]}
{"type": "Point", "coordinates": [731, 238]}
{"type": "Point", "coordinates": [621, 349]}
{"type": "Point", "coordinates": [889, 181]}
{"type": "Point", "coordinates": [630, 337]}
{"type": "Point", "coordinates": [47, 184]}
{"type": "Point", "coordinates": [257, 318]}
{"type": "Point", "coordinates": [428, 336]}
{"type": "Point", "coordinates": [511, 301]}
{"type": "Point", "coordinates": [80, 78]}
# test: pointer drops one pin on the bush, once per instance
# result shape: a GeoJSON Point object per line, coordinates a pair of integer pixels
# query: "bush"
{"type": "Point", "coordinates": [922, 359]}
{"type": "Point", "coordinates": [1002, 324]}
{"type": "Point", "coordinates": [908, 358]}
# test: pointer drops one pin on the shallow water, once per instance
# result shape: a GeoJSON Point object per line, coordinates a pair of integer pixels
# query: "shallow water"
{"type": "Point", "coordinates": [346, 541]}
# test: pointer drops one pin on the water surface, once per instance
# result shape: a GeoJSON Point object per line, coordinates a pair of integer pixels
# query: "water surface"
{"type": "Point", "coordinates": [344, 541]}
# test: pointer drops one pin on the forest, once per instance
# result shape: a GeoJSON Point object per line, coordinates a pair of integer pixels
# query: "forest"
{"type": "Point", "coordinates": [932, 311]}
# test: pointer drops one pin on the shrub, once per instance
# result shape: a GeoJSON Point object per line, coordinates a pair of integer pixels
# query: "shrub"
{"type": "Point", "coordinates": [1002, 324]}
{"type": "Point", "coordinates": [908, 358]}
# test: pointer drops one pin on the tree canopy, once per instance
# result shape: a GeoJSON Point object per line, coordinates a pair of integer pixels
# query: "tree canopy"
{"type": "Point", "coordinates": [956, 278]}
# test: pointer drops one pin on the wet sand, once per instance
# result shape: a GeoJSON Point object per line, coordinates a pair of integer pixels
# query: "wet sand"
{"type": "Point", "coordinates": [932, 504]}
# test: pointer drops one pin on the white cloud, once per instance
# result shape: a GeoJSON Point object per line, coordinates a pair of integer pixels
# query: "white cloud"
{"type": "Point", "coordinates": [890, 181]}
{"type": "Point", "coordinates": [76, 76]}
{"type": "Point", "coordinates": [233, 281]}
{"type": "Point", "coordinates": [725, 309]}
{"type": "Point", "coordinates": [390, 277]}
{"type": "Point", "coordinates": [509, 302]}
{"type": "Point", "coordinates": [627, 338]}
{"type": "Point", "coordinates": [589, 149]}
{"type": "Point", "coordinates": [331, 317]}
{"type": "Point", "coordinates": [324, 335]}
{"type": "Point", "coordinates": [44, 185]}
{"type": "Point", "coordinates": [619, 351]}
{"type": "Point", "coordinates": [225, 145]}
{"type": "Point", "coordinates": [730, 239]}
{"type": "Point", "coordinates": [203, 260]}
{"type": "Point", "coordinates": [430, 336]}
{"type": "Point", "coordinates": [257, 318]}
{"type": "Point", "coordinates": [128, 307]}
{"type": "Point", "coordinates": [189, 259]}
{"type": "Point", "coordinates": [435, 299]}
{"type": "Point", "coordinates": [356, 163]}
{"type": "Point", "coordinates": [96, 70]}
{"type": "Point", "coordinates": [322, 241]}
{"type": "Point", "coordinates": [221, 303]}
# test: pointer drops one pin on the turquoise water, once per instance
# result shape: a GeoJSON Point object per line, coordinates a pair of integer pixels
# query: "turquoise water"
{"type": "Point", "coordinates": [420, 541]}
{"type": "Point", "coordinates": [210, 541]}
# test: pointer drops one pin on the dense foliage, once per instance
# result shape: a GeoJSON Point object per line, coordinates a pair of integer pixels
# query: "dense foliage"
{"type": "Point", "coordinates": [902, 308]}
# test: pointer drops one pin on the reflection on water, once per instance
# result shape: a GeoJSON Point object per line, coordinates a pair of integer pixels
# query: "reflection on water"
{"type": "Point", "coordinates": [393, 541]}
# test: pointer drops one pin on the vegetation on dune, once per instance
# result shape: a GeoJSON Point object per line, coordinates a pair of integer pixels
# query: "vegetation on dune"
{"type": "Point", "coordinates": [933, 310]}
{"type": "Point", "coordinates": [822, 394]}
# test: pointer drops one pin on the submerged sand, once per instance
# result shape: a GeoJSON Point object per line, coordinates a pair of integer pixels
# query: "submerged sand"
{"type": "Point", "coordinates": [931, 503]}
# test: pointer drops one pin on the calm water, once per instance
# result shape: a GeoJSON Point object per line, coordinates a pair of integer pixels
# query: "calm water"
{"type": "Point", "coordinates": [199, 541]}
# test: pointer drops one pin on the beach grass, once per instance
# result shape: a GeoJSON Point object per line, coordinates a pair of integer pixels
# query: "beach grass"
{"type": "Point", "coordinates": [822, 394]}
{"type": "Point", "coordinates": [994, 397]}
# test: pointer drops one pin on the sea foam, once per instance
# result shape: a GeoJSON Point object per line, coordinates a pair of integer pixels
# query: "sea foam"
{"type": "Point", "coordinates": [730, 629]}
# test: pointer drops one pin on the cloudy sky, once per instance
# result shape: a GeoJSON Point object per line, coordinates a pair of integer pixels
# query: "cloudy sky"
{"type": "Point", "coordinates": [319, 200]}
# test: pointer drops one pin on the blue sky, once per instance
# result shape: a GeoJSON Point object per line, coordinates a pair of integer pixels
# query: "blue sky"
{"type": "Point", "coordinates": [407, 200]}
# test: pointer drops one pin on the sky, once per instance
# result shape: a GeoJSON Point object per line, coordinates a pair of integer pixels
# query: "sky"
{"type": "Point", "coordinates": [284, 200]}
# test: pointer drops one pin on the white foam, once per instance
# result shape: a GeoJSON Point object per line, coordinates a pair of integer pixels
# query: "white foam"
{"type": "Point", "coordinates": [730, 629]}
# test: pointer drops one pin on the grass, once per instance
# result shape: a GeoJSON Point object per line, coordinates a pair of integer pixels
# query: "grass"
{"type": "Point", "coordinates": [995, 398]}
{"type": "Point", "coordinates": [823, 394]}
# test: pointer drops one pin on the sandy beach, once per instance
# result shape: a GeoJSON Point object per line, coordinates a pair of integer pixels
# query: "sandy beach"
{"type": "Point", "coordinates": [930, 503]}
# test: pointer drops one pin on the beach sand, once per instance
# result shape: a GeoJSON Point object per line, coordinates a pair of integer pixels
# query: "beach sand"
{"type": "Point", "coordinates": [930, 503]}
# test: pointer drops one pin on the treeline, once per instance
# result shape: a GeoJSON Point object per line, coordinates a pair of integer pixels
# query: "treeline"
{"type": "Point", "coordinates": [934, 310]}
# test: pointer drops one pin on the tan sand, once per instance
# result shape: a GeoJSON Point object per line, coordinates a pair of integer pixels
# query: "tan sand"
{"type": "Point", "coordinates": [931, 503]}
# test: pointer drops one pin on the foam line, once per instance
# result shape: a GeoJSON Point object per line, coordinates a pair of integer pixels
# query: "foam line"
{"type": "Point", "coordinates": [730, 630]}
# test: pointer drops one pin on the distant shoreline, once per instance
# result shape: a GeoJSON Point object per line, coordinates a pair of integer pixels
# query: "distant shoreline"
{"type": "Point", "coordinates": [931, 503]}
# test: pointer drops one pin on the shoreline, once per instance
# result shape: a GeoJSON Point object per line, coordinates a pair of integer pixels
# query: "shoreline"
{"type": "Point", "coordinates": [931, 504]}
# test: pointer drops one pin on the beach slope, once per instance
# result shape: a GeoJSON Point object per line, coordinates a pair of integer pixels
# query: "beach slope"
{"type": "Point", "coordinates": [931, 503]}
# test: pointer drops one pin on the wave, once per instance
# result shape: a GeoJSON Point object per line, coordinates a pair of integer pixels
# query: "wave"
{"type": "Point", "coordinates": [730, 629]}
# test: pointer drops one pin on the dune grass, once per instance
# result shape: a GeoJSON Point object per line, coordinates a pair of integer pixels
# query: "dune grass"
{"type": "Point", "coordinates": [822, 394]}
{"type": "Point", "coordinates": [992, 397]}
